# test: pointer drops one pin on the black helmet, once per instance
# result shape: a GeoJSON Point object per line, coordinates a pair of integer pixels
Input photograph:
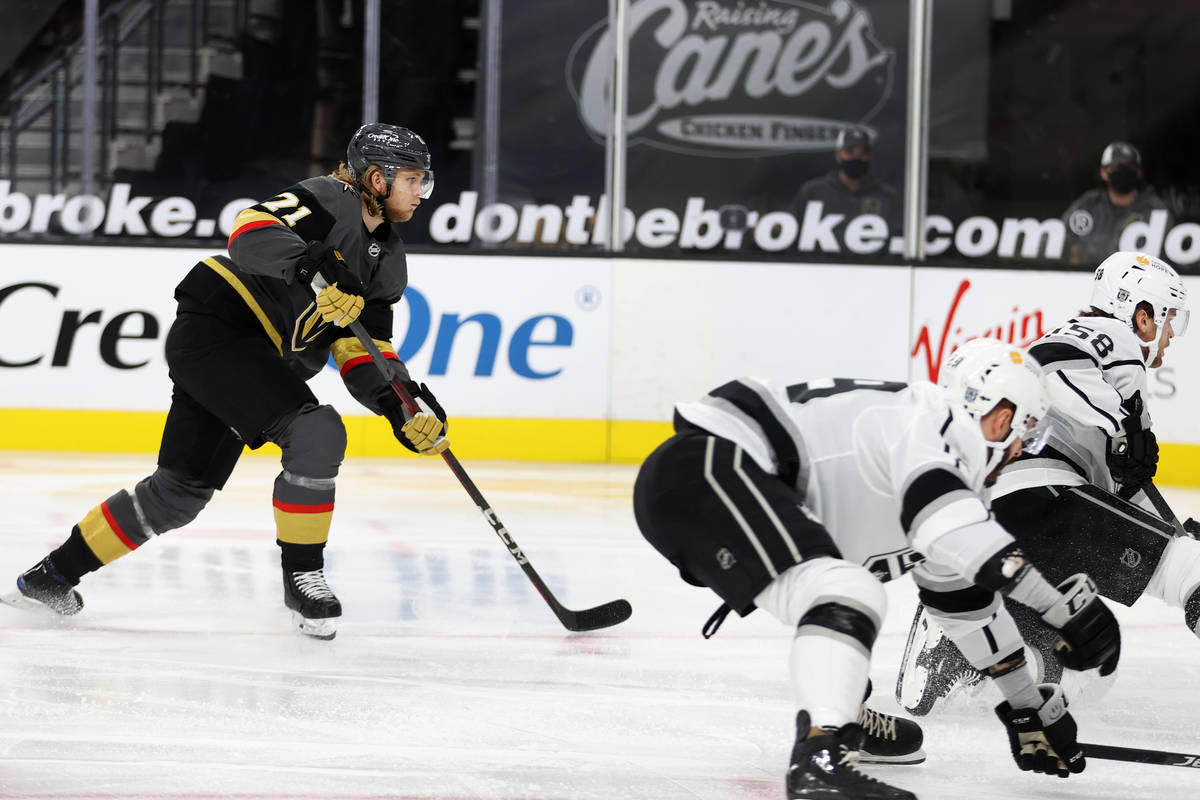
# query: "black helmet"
{"type": "Point", "coordinates": [388, 146]}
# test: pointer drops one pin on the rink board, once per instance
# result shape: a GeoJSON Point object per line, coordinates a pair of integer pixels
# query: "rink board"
{"type": "Point", "coordinates": [551, 359]}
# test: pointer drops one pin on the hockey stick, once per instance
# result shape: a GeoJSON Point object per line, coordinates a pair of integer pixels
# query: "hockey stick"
{"type": "Point", "coordinates": [1164, 510]}
{"type": "Point", "coordinates": [1139, 756]}
{"type": "Point", "coordinates": [589, 619]}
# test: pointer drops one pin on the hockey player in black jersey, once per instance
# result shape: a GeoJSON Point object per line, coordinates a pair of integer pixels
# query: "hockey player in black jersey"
{"type": "Point", "coordinates": [1079, 505]}
{"type": "Point", "coordinates": [251, 329]}
{"type": "Point", "coordinates": [802, 501]}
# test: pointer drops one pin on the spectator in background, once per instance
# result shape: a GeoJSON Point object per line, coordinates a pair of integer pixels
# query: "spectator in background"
{"type": "Point", "coordinates": [850, 189]}
{"type": "Point", "coordinates": [1097, 218]}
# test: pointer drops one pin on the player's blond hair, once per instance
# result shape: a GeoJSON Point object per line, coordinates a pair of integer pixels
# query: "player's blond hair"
{"type": "Point", "coordinates": [369, 198]}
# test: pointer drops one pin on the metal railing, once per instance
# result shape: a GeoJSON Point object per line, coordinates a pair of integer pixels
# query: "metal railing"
{"type": "Point", "coordinates": [126, 31]}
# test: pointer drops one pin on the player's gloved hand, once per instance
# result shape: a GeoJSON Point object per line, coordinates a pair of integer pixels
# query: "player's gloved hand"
{"type": "Point", "coordinates": [339, 292]}
{"type": "Point", "coordinates": [423, 432]}
{"type": "Point", "coordinates": [1088, 631]}
{"type": "Point", "coordinates": [1043, 739]}
{"type": "Point", "coordinates": [340, 308]}
{"type": "Point", "coordinates": [1133, 457]}
{"type": "Point", "coordinates": [1192, 528]}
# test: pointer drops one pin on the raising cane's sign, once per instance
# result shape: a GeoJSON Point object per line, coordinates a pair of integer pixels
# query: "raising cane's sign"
{"type": "Point", "coordinates": [723, 77]}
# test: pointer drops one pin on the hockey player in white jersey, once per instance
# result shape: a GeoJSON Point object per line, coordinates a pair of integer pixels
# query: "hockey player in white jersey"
{"type": "Point", "coordinates": [802, 501]}
{"type": "Point", "coordinates": [1079, 505]}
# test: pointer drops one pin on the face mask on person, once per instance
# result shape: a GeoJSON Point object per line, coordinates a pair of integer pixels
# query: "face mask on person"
{"type": "Point", "coordinates": [1123, 179]}
{"type": "Point", "coordinates": [855, 167]}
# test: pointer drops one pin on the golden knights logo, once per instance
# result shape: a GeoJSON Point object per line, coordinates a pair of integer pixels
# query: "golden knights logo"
{"type": "Point", "coordinates": [308, 328]}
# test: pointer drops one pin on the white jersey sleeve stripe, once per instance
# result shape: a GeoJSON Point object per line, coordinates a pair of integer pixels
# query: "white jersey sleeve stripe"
{"type": "Point", "coordinates": [1115, 425]}
{"type": "Point", "coordinates": [928, 491]}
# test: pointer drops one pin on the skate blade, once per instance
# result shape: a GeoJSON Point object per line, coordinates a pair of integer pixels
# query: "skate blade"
{"type": "Point", "coordinates": [915, 757]}
{"type": "Point", "coordinates": [324, 629]}
{"type": "Point", "coordinates": [18, 600]}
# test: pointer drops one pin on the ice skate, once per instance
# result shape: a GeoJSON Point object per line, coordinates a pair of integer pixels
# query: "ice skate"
{"type": "Point", "coordinates": [932, 668]}
{"type": "Point", "coordinates": [43, 587]}
{"type": "Point", "coordinates": [888, 739]}
{"type": "Point", "coordinates": [313, 604]}
{"type": "Point", "coordinates": [825, 767]}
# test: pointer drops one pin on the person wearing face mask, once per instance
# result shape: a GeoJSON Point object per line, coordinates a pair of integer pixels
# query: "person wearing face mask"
{"type": "Point", "coordinates": [1097, 218]}
{"type": "Point", "coordinates": [850, 189]}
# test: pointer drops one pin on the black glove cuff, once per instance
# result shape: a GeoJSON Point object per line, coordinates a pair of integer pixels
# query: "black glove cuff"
{"type": "Point", "coordinates": [421, 392]}
{"type": "Point", "coordinates": [391, 407]}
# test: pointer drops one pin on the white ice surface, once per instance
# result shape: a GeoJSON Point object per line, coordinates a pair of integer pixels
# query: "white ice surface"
{"type": "Point", "coordinates": [449, 678]}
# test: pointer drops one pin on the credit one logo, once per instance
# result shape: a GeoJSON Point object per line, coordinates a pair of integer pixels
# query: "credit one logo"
{"type": "Point", "coordinates": [723, 75]}
{"type": "Point", "coordinates": [114, 329]}
{"type": "Point", "coordinates": [122, 336]}
{"type": "Point", "coordinates": [537, 332]}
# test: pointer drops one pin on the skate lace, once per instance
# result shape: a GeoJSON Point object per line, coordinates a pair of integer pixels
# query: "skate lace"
{"type": "Point", "coordinates": [312, 584]}
{"type": "Point", "coordinates": [877, 724]}
{"type": "Point", "coordinates": [849, 760]}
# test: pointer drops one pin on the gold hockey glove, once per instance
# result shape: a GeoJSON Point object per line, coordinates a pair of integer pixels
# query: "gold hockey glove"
{"type": "Point", "coordinates": [424, 432]}
{"type": "Point", "coordinates": [340, 308]}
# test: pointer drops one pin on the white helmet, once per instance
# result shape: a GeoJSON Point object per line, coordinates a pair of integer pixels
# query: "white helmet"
{"type": "Point", "coordinates": [983, 372]}
{"type": "Point", "coordinates": [1125, 279]}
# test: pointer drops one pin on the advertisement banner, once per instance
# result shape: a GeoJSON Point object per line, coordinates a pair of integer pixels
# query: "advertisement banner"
{"type": "Point", "coordinates": [951, 306]}
{"type": "Point", "coordinates": [83, 328]}
{"type": "Point", "coordinates": [729, 103]}
{"type": "Point", "coordinates": [681, 329]}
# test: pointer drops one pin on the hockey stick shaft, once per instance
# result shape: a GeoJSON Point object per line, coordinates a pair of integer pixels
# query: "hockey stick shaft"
{"type": "Point", "coordinates": [1164, 510]}
{"type": "Point", "coordinates": [1139, 756]}
{"type": "Point", "coordinates": [589, 619]}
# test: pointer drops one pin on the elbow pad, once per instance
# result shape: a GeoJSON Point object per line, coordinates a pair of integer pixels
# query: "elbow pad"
{"type": "Point", "coordinates": [1000, 572]}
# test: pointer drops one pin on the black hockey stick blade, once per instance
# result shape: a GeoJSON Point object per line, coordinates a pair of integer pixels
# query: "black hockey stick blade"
{"type": "Point", "coordinates": [591, 619]}
{"type": "Point", "coordinates": [1139, 756]}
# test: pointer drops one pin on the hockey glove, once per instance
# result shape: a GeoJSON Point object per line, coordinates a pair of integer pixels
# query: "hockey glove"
{"type": "Point", "coordinates": [339, 291]}
{"type": "Point", "coordinates": [1088, 631]}
{"type": "Point", "coordinates": [1043, 739]}
{"type": "Point", "coordinates": [1133, 458]}
{"type": "Point", "coordinates": [423, 432]}
{"type": "Point", "coordinates": [1192, 528]}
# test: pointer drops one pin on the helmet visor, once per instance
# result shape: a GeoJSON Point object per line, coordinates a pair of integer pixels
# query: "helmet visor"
{"type": "Point", "coordinates": [1177, 320]}
{"type": "Point", "coordinates": [417, 181]}
{"type": "Point", "coordinates": [427, 190]}
{"type": "Point", "coordinates": [1035, 437]}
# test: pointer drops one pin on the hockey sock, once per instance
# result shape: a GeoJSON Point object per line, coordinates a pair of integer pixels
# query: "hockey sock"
{"type": "Point", "coordinates": [301, 557]}
{"type": "Point", "coordinates": [113, 529]}
{"type": "Point", "coordinates": [303, 510]}
{"type": "Point", "coordinates": [828, 677]}
{"type": "Point", "coordinates": [73, 558]}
